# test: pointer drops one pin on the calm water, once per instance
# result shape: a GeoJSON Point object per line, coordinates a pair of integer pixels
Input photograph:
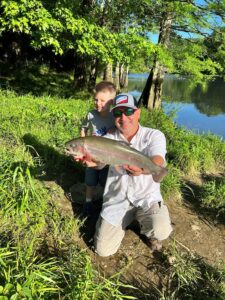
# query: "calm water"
{"type": "Point", "coordinates": [201, 109]}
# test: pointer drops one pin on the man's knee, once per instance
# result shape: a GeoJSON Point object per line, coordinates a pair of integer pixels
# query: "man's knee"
{"type": "Point", "coordinates": [102, 250]}
{"type": "Point", "coordinates": [162, 226]}
{"type": "Point", "coordinates": [163, 231]}
{"type": "Point", "coordinates": [107, 238]}
{"type": "Point", "coordinates": [157, 223]}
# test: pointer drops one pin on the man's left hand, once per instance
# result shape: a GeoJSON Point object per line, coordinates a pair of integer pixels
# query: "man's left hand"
{"type": "Point", "coordinates": [133, 170]}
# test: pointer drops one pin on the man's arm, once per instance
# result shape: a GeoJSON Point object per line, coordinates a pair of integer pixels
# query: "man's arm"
{"type": "Point", "coordinates": [86, 125]}
{"type": "Point", "coordinates": [158, 160]}
{"type": "Point", "coordinates": [83, 132]}
{"type": "Point", "coordinates": [135, 171]}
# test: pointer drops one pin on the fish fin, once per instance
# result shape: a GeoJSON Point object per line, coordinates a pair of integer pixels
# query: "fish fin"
{"type": "Point", "coordinates": [159, 177]}
{"type": "Point", "coordinates": [119, 169]}
{"type": "Point", "coordinates": [124, 143]}
{"type": "Point", "coordinates": [91, 158]}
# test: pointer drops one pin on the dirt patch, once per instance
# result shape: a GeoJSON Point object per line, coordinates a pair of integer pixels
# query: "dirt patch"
{"type": "Point", "coordinates": [192, 234]}
{"type": "Point", "coordinates": [197, 234]}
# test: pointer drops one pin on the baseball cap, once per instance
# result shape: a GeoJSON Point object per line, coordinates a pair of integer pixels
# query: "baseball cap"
{"type": "Point", "coordinates": [125, 100]}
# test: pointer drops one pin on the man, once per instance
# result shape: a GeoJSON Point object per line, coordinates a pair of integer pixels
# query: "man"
{"type": "Point", "coordinates": [130, 193]}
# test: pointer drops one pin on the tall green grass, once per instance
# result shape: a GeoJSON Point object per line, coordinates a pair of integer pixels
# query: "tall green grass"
{"type": "Point", "coordinates": [187, 276]}
{"type": "Point", "coordinates": [39, 254]}
{"type": "Point", "coordinates": [213, 197]}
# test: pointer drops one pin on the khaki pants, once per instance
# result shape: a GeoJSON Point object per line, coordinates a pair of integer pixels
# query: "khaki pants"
{"type": "Point", "coordinates": [154, 223]}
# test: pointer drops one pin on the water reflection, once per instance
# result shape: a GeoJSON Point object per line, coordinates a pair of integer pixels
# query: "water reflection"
{"type": "Point", "coordinates": [208, 99]}
{"type": "Point", "coordinates": [201, 108]}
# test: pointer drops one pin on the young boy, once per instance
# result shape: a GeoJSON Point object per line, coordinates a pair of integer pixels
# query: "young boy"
{"type": "Point", "coordinates": [98, 121]}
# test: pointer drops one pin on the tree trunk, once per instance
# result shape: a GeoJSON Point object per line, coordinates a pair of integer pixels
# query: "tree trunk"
{"type": "Point", "coordinates": [151, 95]}
{"type": "Point", "coordinates": [155, 86]}
{"type": "Point", "coordinates": [93, 75]}
{"type": "Point", "coordinates": [80, 73]}
{"type": "Point", "coordinates": [124, 76]}
{"type": "Point", "coordinates": [121, 72]}
{"type": "Point", "coordinates": [80, 69]}
{"type": "Point", "coordinates": [108, 73]}
{"type": "Point", "coordinates": [117, 76]}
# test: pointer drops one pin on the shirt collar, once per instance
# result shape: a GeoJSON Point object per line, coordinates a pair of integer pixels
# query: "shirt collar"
{"type": "Point", "coordinates": [134, 138]}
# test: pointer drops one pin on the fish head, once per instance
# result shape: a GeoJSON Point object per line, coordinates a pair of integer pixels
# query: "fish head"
{"type": "Point", "coordinates": [75, 147]}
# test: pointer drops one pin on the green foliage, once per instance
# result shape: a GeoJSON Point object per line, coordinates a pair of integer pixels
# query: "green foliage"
{"type": "Point", "coordinates": [116, 31]}
{"type": "Point", "coordinates": [61, 29]}
{"type": "Point", "coordinates": [190, 57]}
{"type": "Point", "coordinates": [40, 80]}
{"type": "Point", "coordinates": [39, 256]}
{"type": "Point", "coordinates": [129, 43]}
{"type": "Point", "coordinates": [191, 154]}
{"type": "Point", "coordinates": [26, 278]}
{"type": "Point", "coordinates": [31, 17]}
{"type": "Point", "coordinates": [213, 197]}
{"type": "Point", "coordinates": [188, 277]}
{"type": "Point", "coordinates": [186, 53]}
{"type": "Point", "coordinates": [140, 65]}
{"type": "Point", "coordinates": [171, 185]}
{"type": "Point", "coordinates": [216, 47]}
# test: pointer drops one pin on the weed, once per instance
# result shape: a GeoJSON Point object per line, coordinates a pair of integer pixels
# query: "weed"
{"type": "Point", "coordinates": [213, 197]}
{"type": "Point", "coordinates": [39, 255]}
{"type": "Point", "coordinates": [171, 185]}
{"type": "Point", "coordinates": [189, 277]}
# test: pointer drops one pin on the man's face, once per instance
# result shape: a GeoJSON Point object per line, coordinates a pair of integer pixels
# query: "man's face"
{"type": "Point", "coordinates": [103, 100]}
{"type": "Point", "coordinates": [127, 124]}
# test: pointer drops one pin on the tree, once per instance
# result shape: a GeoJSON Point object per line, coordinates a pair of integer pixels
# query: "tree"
{"type": "Point", "coordinates": [115, 32]}
{"type": "Point", "coordinates": [172, 19]}
{"type": "Point", "coordinates": [215, 45]}
{"type": "Point", "coordinates": [71, 27]}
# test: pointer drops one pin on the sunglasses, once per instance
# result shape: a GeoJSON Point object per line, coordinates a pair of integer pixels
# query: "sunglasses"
{"type": "Point", "coordinates": [127, 112]}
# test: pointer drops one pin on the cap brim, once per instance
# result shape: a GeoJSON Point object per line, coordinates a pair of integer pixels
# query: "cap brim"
{"type": "Point", "coordinates": [124, 105]}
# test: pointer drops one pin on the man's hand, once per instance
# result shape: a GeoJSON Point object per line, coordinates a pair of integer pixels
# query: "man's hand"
{"type": "Point", "coordinates": [85, 160]}
{"type": "Point", "coordinates": [133, 170]}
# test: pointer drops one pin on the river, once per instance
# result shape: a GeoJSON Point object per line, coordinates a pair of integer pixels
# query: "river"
{"type": "Point", "coordinates": [198, 108]}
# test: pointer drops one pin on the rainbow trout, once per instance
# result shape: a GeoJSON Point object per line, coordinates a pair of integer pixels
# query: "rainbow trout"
{"type": "Point", "coordinates": [112, 152]}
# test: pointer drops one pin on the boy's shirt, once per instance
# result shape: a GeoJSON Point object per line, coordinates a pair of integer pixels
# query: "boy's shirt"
{"type": "Point", "coordinates": [96, 124]}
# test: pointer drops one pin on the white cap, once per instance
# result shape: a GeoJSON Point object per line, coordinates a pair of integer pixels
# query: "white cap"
{"type": "Point", "coordinates": [125, 100]}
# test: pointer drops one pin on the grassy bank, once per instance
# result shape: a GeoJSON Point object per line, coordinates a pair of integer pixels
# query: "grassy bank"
{"type": "Point", "coordinates": [39, 254]}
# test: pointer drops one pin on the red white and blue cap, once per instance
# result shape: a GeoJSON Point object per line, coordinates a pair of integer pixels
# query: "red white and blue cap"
{"type": "Point", "coordinates": [125, 100]}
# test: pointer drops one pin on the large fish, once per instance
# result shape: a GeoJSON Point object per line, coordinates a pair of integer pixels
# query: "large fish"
{"type": "Point", "coordinates": [112, 152]}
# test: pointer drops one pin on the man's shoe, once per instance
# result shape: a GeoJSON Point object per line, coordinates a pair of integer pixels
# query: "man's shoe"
{"type": "Point", "coordinates": [154, 244]}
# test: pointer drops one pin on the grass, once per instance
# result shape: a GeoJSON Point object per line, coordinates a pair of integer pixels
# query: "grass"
{"type": "Point", "coordinates": [213, 195]}
{"type": "Point", "coordinates": [39, 254]}
{"type": "Point", "coordinates": [189, 277]}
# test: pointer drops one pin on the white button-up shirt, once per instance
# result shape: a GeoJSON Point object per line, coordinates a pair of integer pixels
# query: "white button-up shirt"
{"type": "Point", "coordinates": [122, 189]}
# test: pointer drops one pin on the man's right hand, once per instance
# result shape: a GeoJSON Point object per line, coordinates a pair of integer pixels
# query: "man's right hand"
{"type": "Point", "coordinates": [85, 161]}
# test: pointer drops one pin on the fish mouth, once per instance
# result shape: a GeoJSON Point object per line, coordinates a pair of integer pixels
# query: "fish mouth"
{"type": "Point", "coordinates": [68, 151]}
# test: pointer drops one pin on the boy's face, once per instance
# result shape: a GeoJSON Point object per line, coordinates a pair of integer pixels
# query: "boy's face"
{"type": "Point", "coordinates": [103, 100]}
